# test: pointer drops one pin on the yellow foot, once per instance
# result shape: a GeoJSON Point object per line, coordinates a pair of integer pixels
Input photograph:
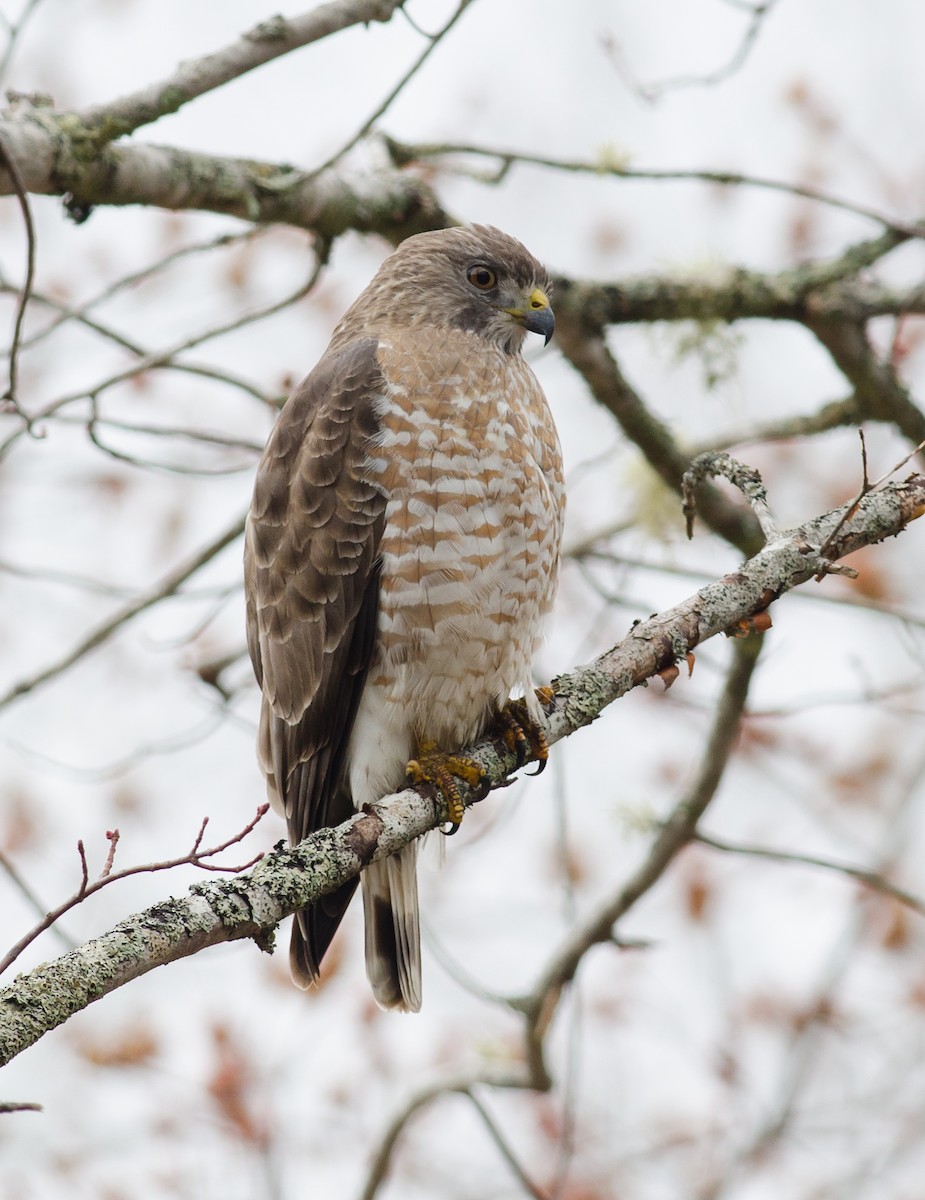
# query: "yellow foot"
{"type": "Point", "coordinates": [442, 770]}
{"type": "Point", "coordinates": [523, 736]}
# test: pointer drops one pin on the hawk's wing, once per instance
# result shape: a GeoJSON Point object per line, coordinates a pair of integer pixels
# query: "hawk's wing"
{"type": "Point", "coordinates": [311, 578]}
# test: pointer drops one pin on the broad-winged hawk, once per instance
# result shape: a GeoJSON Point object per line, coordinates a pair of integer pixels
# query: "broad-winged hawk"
{"type": "Point", "coordinates": [400, 555]}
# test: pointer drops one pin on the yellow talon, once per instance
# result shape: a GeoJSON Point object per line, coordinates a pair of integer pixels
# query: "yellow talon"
{"type": "Point", "coordinates": [442, 770]}
{"type": "Point", "coordinates": [520, 733]}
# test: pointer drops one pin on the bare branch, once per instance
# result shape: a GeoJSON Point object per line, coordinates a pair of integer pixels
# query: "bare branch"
{"type": "Point", "coordinates": [457, 1082]}
{"type": "Point", "coordinates": [14, 31]}
{"type": "Point", "coordinates": [104, 632]}
{"type": "Point", "coordinates": [30, 897]}
{"type": "Point", "coordinates": [530, 1187]}
{"type": "Point", "coordinates": [834, 415]}
{"type": "Point", "coordinates": [652, 92]}
{"type": "Point", "coordinates": [584, 345]}
{"type": "Point", "coordinates": [166, 360]}
{"type": "Point", "coordinates": [540, 1006]}
{"type": "Point", "coordinates": [608, 165]}
{"type": "Point", "coordinates": [131, 280]}
{"type": "Point", "coordinates": [871, 879]}
{"type": "Point", "coordinates": [878, 390]}
{"type": "Point", "coordinates": [269, 40]}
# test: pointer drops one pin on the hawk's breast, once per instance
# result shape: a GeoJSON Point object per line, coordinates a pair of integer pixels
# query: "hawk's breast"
{"type": "Point", "coordinates": [468, 459]}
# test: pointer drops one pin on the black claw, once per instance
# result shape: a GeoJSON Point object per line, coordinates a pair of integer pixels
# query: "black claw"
{"type": "Point", "coordinates": [540, 767]}
{"type": "Point", "coordinates": [454, 826]}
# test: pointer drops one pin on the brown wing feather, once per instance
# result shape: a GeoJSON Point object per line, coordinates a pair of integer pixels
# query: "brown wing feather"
{"type": "Point", "coordinates": [312, 586]}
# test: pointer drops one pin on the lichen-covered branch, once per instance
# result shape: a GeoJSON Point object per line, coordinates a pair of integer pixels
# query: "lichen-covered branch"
{"type": "Point", "coordinates": [250, 905]}
{"type": "Point", "coordinates": [59, 154]}
{"type": "Point", "coordinates": [827, 289]}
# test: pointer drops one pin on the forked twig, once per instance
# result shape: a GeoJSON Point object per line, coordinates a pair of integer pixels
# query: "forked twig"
{"type": "Point", "coordinates": [195, 857]}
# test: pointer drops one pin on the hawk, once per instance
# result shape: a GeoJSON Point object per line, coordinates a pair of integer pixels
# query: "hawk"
{"type": "Point", "coordinates": [401, 553]}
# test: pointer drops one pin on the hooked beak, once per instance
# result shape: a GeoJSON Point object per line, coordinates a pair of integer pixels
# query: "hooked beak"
{"type": "Point", "coordinates": [536, 316]}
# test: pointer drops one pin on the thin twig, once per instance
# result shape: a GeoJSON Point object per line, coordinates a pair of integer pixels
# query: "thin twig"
{"type": "Point", "coordinates": [10, 397]}
{"type": "Point", "coordinates": [14, 33]}
{"type": "Point", "coordinates": [433, 42]}
{"type": "Point", "coordinates": [652, 92]}
{"type": "Point", "coordinates": [457, 1082]}
{"type": "Point", "coordinates": [104, 632]}
{"type": "Point", "coordinates": [195, 857]}
{"type": "Point", "coordinates": [31, 898]}
{"type": "Point", "coordinates": [504, 1148]}
{"type": "Point", "coordinates": [403, 153]}
{"type": "Point", "coordinates": [143, 750]}
{"type": "Point", "coordinates": [165, 359]}
{"type": "Point", "coordinates": [132, 279]}
{"type": "Point", "coordinates": [871, 879]}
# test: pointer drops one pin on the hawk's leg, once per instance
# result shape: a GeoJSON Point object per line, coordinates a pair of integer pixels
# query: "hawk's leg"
{"type": "Point", "coordinates": [442, 770]}
{"type": "Point", "coordinates": [522, 735]}
{"type": "Point", "coordinates": [513, 723]}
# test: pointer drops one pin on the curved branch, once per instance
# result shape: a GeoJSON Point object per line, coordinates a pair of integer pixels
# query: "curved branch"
{"type": "Point", "coordinates": [878, 391]}
{"type": "Point", "coordinates": [541, 1005]}
{"type": "Point", "coordinates": [876, 881]}
{"type": "Point", "coordinates": [270, 39]}
{"type": "Point", "coordinates": [451, 1083]}
{"type": "Point", "coordinates": [586, 349]}
{"type": "Point", "coordinates": [252, 904]}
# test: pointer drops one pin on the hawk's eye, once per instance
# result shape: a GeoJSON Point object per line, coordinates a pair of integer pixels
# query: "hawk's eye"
{"type": "Point", "coordinates": [481, 277]}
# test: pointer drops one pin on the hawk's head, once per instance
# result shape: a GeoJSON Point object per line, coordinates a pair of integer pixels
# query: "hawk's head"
{"type": "Point", "coordinates": [474, 277]}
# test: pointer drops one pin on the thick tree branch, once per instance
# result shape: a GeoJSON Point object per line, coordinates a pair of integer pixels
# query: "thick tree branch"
{"type": "Point", "coordinates": [58, 153]}
{"type": "Point", "coordinates": [827, 289]}
{"type": "Point", "coordinates": [251, 905]}
{"type": "Point", "coordinates": [878, 391]}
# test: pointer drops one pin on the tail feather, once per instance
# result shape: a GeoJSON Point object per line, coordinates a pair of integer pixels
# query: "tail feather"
{"type": "Point", "coordinates": [393, 934]}
{"type": "Point", "coordinates": [312, 932]}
